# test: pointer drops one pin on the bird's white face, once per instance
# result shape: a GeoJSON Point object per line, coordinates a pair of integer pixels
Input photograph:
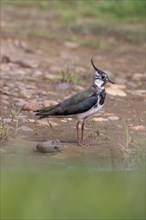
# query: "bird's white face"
{"type": "Point", "coordinates": [99, 79]}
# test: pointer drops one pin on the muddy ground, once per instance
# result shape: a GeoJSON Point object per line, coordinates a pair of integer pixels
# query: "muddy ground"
{"type": "Point", "coordinates": [37, 72]}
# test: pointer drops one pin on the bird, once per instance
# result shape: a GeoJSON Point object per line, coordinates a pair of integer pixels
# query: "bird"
{"type": "Point", "coordinates": [81, 105]}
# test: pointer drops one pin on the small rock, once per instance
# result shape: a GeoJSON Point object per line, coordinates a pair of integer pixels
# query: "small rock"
{"type": "Point", "coordinates": [7, 120]}
{"type": "Point", "coordinates": [71, 45]}
{"type": "Point", "coordinates": [27, 63]}
{"type": "Point", "coordinates": [107, 114]}
{"type": "Point", "coordinates": [24, 118]}
{"type": "Point", "coordinates": [42, 123]}
{"type": "Point", "coordinates": [140, 92]}
{"type": "Point", "coordinates": [113, 118]}
{"type": "Point", "coordinates": [46, 123]}
{"type": "Point", "coordinates": [30, 106]}
{"type": "Point", "coordinates": [138, 128]}
{"type": "Point", "coordinates": [63, 86]}
{"type": "Point", "coordinates": [51, 76]}
{"type": "Point", "coordinates": [100, 119]}
{"type": "Point", "coordinates": [4, 67]}
{"type": "Point", "coordinates": [116, 90]}
{"type": "Point", "coordinates": [37, 72]}
{"type": "Point", "coordinates": [20, 102]}
{"type": "Point", "coordinates": [49, 103]}
{"type": "Point", "coordinates": [63, 120]}
{"type": "Point", "coordinates": [138, 76]}
{"type": "Point", "coordinates": [31, 120]}
{"type": "Point", "coordinates": [52, 123]}
{"type": "Point", "coordinates": [27, 93]}
{"type": "Point", "coordinates": [49, 146]}
{"type": "Point", "coordinates": [25, 128]}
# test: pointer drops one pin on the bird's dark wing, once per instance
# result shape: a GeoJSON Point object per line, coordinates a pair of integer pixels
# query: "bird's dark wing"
{"type": "Point", "coordinates": [62, 110]}
{"type": "Point", "coordinates": [78, 103]}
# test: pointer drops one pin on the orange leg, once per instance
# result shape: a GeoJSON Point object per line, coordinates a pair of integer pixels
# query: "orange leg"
{"type": "Point", "coordinates": [78, 133]}
{"type": "Point", "coordinates": [82, 131]}
{"type": "Point", "coordinates": [80, 140]}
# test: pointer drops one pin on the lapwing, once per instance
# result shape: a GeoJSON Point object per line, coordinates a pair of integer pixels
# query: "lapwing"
{"type": "Point", "coordinates": [80, 105]}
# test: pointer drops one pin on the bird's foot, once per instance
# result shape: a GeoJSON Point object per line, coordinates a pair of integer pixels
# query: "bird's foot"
{"type": "Point", "coordinates": [81, 143]}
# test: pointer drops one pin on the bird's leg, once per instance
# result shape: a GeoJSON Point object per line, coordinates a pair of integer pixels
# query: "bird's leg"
{"type": "Point", "coordinates": [82, 131]}
{"type": "Point", "coordinates": [78, 135]}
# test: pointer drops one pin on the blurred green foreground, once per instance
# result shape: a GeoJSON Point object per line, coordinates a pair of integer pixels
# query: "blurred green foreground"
{"type": "Point", "coordinates": [69, 193]}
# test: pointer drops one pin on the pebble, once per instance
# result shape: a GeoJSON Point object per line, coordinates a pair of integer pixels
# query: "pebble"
{"type": "Point", "coordinates": [138, 128]}
{"type": "Point", "coordinates": [46, 123]}
{"type": "Point", "coordinates": [138, 76]}
{"type": "Point", "coordinates": [71, 45]}
{"type": "Point", "coordinates": [115, 91]}
{"type": "Point", "coordinates": [100, 119]}
{"type": "Point", "coordinates": [30, 106]}
{"type": "Point", "coordinates": [27, 93]}
{"type": "Point", "coordinates": [51, 76]}
{"type": "Point", "coordinates": [63, 120]}
{"type": "Point", "coordinates": [37, 72]}
{"type": "Point", "coordinates": [28, 63]}
{"type": "Point", "coordinates": [49, 103]}
{"type": "Point", "coordinates": [20, 102]}
{"type": "Point", "coordinates": [7, 120]}
{"type": "Point", "coordinates": [52, 123]}
{"type": "Point", "coordinates": [63, 86]}
{"type": "Point", "coordinates": [113, 118]}
{"type": "Point", "coordinates": [140, 92]}
{"type": "Point", "coordinates": [49, 146]}
{"type": "Point", "coordinates": [25, 128]}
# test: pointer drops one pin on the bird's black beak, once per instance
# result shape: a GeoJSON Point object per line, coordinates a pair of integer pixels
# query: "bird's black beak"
{"type": "Point", "coordinates": [110, 81]}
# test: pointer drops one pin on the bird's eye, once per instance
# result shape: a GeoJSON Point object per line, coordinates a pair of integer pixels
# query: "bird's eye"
{"type": "Point", "coordinates": [103, 77]}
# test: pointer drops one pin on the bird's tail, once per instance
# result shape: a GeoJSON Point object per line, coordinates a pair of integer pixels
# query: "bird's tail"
{"type": "Point", "coordinates": [46, 112]}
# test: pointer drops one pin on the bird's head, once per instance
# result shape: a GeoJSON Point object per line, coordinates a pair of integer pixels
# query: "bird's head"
{"type": "Point", "coordinates": [100, 77]}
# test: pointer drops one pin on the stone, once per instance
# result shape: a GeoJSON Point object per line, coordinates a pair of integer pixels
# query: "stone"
{"type": "Point", "coordinates": [113, 118]}
{"type": "Point", "coordinates": [37, 72]}
{"type": "Point", "coordinates": [20, 102]}
{"type": "Point", "coordinates": [52, 77]}
{"type": "Point", "coordinates": [46, 123]}
{"type": "Point", "coordinates": [71, 45]}
{"type": "Point", "coordinates": [49, 103]}
{"type": "Point", "coordinates": [138, 76]}
{"type": "Point", "coordinates": [52, 123]}
{"type": "Point", "coordinates": [7, 120]}
{"type": "Point", "coordinates": [63, 86]}
{"type": "Point", "coordinates": [99, 119]}
{"type": "Point", "coordinates": [27, 63]}
{"type": "Point", "coordinates": [49, 146]}
{"type": "Point", "coordinates": [116, 90]}
{"type": "Point", "coordinates": [25, 128]}
{"type": "Point", "coordinates": [30, 106]}
{"type": "Point", "coordinates": [138, 128]}
{"type": "Point", "coordinates": [140, 92]}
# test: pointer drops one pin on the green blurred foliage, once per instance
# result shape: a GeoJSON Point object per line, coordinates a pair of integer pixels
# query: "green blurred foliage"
{"type": "Point", "coordinates": [67, 193]}
{"type": "Point", "coordinates": [121, 9]}
{"type": "Point", "coordinates": [58, 20]}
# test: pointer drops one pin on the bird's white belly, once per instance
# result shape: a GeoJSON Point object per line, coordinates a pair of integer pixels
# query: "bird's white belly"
{"type": "Point", "coordinates": [91, 111]}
